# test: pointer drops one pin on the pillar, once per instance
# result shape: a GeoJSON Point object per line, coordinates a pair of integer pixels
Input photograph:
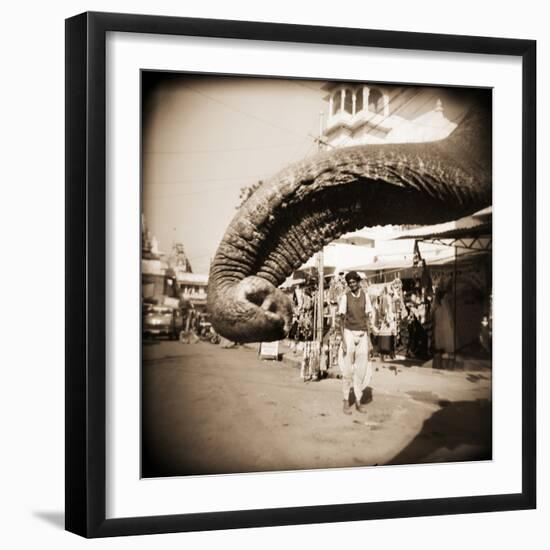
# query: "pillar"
{"type": "Point", "coordinates": [366, 92]}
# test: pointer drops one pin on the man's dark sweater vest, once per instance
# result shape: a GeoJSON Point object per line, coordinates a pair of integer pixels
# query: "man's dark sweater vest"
{"type": "Point", "coordinates": [356, 318]}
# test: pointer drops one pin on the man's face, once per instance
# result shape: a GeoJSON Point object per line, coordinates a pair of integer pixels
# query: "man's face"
{"type": "Point", "coordinates": [353, 285]}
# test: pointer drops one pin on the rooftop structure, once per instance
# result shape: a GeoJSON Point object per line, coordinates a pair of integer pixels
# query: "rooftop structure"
{"type": "Point", "coordinates": [364, 113]}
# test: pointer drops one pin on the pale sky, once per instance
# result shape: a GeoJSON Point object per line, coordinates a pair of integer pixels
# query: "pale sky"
{"type": "Point", "coordinates": [205, 137]}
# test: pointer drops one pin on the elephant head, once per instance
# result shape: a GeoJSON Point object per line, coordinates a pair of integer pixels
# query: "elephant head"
{"type": "Point", "coordinates": [313, 202]}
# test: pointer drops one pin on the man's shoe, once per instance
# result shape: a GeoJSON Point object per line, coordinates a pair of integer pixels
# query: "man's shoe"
{"type": "Point", "coordinates": [347, 408]}
{"type": "Point", "coordinates": [360, 408]}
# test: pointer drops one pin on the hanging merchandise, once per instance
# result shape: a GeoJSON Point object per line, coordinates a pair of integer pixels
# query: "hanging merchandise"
{"type": "Point", "coordinates": [305, 311]}
{"type": "Point", "coordinates": [388, 305]}
{"type": "Point", "coordinates": [388, 312]}
{"type": "Point", "coordinates": [417, 258]}
{"type": "Point", "coordinates": [312, 358]}
{"type": "Point", "coordinates": [303, 323]}
{"type": "Point", "coordinates": [426, 279]}
{"type": "Point", "coordinates": [337, 287]}
{"type": "Point", "coordinates": [334, 341]}
{"type": "Point", "coordinates": [443, 324]}
{"type": "Point", "coordinates": [309, 368]}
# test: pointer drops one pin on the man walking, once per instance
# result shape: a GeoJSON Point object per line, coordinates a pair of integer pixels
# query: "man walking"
{"type": "Point", "coordinates": [354, 312]}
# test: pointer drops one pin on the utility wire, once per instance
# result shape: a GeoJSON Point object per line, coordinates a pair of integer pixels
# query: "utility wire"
{"type": "Point", "coordinates": [242, 112]}
{"type": "Point", "coordinates": [308, 153]}
{"type": "Point", "coordinates": [396, 111]}
{"type": "Point", "coordinates": [302, 85]}
{"type": "Point", "coordinates": [399, 109]}
{"type": "Point", "coordinates": [431, 96]}
{"type": "Point", "coordinates": [261, 177]}
{"type": "Point", "coordinates": [223, 149]}
{"type": "Point", "coordinates": [198, 192]}
{"type": "Point", "coordinates": [201, 180]}
{"type": "Point", "coordinates": [370, 130]}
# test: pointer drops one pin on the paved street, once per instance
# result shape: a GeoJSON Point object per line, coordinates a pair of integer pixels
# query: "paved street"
{"type": "Point", "coordinates": [213, 410]}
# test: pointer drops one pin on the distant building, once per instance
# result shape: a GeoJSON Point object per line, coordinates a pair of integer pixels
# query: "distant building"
{"type": "Point", "coordinates": [149, 245]}
{"type": "Point", "coordinates": [162, 274]}
{"type": "Point", "coordinates": [192, 289]}
{"type": "Point", "coordinates": [178, 259]}
{"type": "Point", "coordinates": [153, 280]}
{"type": "Point", "coordinates": [364, 113]}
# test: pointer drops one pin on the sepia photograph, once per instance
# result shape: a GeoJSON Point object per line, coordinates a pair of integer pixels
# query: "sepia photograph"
{"type": "Point", "coordinates": [316, 274]}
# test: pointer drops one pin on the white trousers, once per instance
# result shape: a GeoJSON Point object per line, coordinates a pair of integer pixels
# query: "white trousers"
{"type": "Point", "coordinates": [354, 364]}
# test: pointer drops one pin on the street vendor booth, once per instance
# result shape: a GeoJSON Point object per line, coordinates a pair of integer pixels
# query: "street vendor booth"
{"type": "Point", "coordinates": [462, 313]}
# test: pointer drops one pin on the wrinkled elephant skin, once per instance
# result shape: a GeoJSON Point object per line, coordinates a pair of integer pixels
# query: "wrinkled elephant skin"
{"type": "Point", "coordinates": [309, 204]}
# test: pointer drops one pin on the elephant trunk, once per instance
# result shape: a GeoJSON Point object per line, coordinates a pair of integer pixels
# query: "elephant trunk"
{"type": "Point", "coordinates": [311, 203]}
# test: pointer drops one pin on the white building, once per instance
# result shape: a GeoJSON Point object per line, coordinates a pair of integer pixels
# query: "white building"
{"type": "Point", "coordinates": [193, 288]}
{"type": "Point", "coordinates": [368, 113]}
{"type": "Point", "coordinates": [362, 113]}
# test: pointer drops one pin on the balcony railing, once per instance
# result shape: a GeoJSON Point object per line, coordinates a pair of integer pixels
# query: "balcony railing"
{"type": "Point", "coordinates": [343, 118]}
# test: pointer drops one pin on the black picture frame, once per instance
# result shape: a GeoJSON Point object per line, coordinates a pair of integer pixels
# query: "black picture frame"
{"type": "Point", "coordinates": [86, 279]}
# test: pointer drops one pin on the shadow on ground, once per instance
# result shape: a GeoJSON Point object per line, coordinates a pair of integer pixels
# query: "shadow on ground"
{"type": "Point", "coordinates": [458, 431]}
{"type": "Point", "coordinates": [148, 343]}
{"type": "Point", "coordinates": [57, 519]}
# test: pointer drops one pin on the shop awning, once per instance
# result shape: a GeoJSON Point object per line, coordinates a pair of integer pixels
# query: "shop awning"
{"type": "Point", "coordinates": [473, 232]}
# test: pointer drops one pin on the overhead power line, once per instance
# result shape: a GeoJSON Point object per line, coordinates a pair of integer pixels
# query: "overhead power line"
{"type": "Point", "coordinates": [217, 189]}
{"type": "Point", "coordinates": [245, 113]}
{"type": "Point", "coordinates": [223, 149]}
{"type": "Point", "coordinates": [303, 85]}
{"type": "Point", "coordinates": [201, 180]}
{"type": "Point", "coordinates": [241, 111]}
{"type": "Point", "coordinates": [415, 95]}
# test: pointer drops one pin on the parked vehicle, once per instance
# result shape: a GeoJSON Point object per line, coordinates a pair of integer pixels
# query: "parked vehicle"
{"type": "Point", "coordinates": [204, 324]}
{"type": "Point", "coordinates": [162, 321]}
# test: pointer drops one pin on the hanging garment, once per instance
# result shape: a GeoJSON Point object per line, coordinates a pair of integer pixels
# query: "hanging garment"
{"type": "Point", "coordinates": [443, 326]}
